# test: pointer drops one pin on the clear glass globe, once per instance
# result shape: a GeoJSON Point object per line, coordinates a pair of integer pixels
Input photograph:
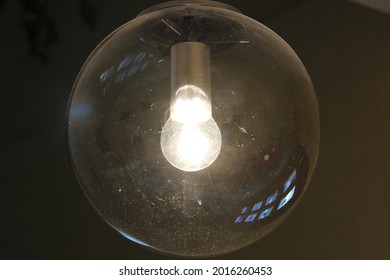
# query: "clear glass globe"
{"type": "Point", "coordinates": [263, 105]}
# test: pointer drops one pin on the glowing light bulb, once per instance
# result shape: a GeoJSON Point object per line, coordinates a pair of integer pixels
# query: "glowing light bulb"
{"type": "Point", "coordinates": [191, 139]}
{"type": "Point", "coordinates": [191, 105]}
{"type": "Point", "coordinates": [191, 146]}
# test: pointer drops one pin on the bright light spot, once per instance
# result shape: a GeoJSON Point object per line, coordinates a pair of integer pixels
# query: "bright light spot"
{"type": "Point", "coordinates": [190, 111]}
{"type": "Point", "coordinates": [191, 105]}
{"type": "Point", "coordinates": [193, 145]}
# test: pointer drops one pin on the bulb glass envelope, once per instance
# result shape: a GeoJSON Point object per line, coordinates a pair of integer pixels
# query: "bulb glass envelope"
{"type": "Point", "coordinates": [262, 101]}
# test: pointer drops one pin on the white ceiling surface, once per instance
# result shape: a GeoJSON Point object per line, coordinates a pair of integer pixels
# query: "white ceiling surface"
{"type": "Point", "coordinates": [381, 5]}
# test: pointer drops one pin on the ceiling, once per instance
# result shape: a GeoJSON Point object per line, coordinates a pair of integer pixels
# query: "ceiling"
{"type": "Point", "coordinates": [380, 5]}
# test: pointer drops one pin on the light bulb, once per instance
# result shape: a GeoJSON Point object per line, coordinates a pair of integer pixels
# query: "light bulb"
{"type": "Point", "coordinates": [190, 139]}
{"type": "Point", "coordinates": [191, 146]}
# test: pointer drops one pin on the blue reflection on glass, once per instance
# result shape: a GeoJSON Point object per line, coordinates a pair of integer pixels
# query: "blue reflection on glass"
{"type": "Point", "coordinates": [257, 206]}
{"type": "Point", "coordinates": [239, 219]}
{"type": "Point", "coordinates": [290, 179]}
{"type": "Point", "coordinates": [251, 218]}
{"type": "Point", "coordinates": [80, 110]}
{"type": "Point", "coordinates": [124, 63]}
{"type": "Point", "coordinates": [265, 213]}
{"type": "Point", "coordinates": [106, 74]}
{"type": "Point", "coordinates": [245, 209]}
{"type": "Point", "coordinates": [128, 66]}
{"type": "Point", "coordinates": [287, 198]}
{"type": "Point", "coordinates": [272, 198]}
{"type": "Point", "coordinates": [132, 238]}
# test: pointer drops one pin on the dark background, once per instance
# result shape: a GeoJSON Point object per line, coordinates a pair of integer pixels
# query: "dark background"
{"type": "Point", "coordinates": [345, 47]}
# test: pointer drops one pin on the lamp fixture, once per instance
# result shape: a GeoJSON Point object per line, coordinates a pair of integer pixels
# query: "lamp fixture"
{"type": "Point", "coordinates": [190, 139]}
{"type": "Point", "coordinates": [193, 130]}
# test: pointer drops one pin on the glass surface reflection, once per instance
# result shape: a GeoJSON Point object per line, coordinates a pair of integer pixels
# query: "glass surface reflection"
{"type": "Point", "coordinates": [268, 205]}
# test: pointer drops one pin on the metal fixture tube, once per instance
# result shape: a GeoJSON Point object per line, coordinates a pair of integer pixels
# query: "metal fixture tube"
{"type": "Point", "coordinates": [190, 67]}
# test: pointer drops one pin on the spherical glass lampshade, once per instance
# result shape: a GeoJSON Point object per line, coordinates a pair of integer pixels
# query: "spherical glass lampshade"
{"type": "Point", "coordinates": [260, 138]}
